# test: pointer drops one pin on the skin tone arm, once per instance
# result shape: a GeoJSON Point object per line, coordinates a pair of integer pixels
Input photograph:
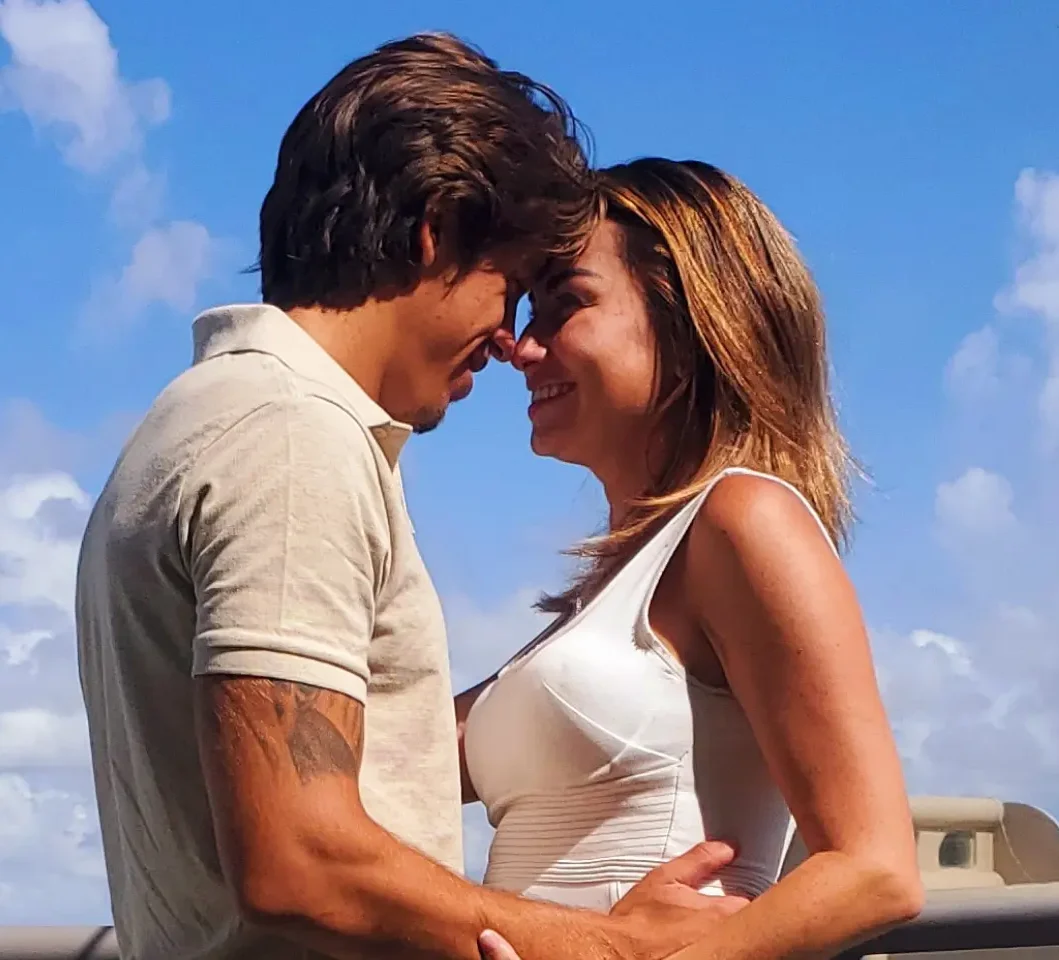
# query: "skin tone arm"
{"type": "Point", "coordinates": [764, 585]}
{"type": "Point", "coordinates": [783, 618]}
{"type": "Point", "coordinates": [304, 858]}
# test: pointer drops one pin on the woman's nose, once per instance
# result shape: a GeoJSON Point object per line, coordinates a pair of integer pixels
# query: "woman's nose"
{"type": "Point", "coordinates": [528, 351]}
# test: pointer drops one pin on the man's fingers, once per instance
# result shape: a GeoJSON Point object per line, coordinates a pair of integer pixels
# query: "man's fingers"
{"type": "Point", "coordinates": [492, 946]}
{"type": "Point", "coordinates": [696, 866]}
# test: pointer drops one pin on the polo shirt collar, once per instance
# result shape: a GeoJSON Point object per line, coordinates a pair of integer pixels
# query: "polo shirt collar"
{"type": "Point", "coordinates": [262, 328]}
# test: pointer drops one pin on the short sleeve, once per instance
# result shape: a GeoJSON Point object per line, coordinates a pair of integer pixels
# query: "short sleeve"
{"type": "Point", "coordinates": [287, 541]}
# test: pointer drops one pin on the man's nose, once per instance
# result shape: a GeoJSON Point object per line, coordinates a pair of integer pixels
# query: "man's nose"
{"type": "Point", "coordinates": [502, 345]}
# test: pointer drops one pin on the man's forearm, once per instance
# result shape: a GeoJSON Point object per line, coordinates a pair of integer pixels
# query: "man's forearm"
{"type": "Point", "coordinates": [372, 894]}
{"type": "Point", "coordinates": [305, 859]}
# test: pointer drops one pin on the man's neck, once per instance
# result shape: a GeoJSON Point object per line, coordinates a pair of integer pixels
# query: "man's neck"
{"type": "Point", "coordinates": [359, 340]}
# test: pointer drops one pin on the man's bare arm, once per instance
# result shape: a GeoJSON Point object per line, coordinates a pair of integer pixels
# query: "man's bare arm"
{"type": "Point", "coordinates": [303, 857]}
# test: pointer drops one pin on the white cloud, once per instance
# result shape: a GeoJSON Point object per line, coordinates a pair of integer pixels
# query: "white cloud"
{"type": "Point", "coordinates": [64, 75]}
{"type": "Point", "coordinates": [40, 738]}
{"type": "Point", "coordinates": [138, 198]}
{"type": "Point", "coordinates": [1034, 289]}
{"type": "Point", "coordinates": [26, 820]}
{"type": "Point", "coordinates": [168, 265]}
{"type": "Point", "coordinates": [954, 653]}
{"type": "Point", "coordinates": [973, 371]}
{"type": "Point", "coordinates": [973, 697]}
{"type": "Point", "coordinates": [49, 841]}
{"type": "Point", "coordinates": [38, 552]}
{"type": "Point", "coordinates": [977, 716]}
{"type": "Point", "coordinates": [17, 647]}
{"type": "Point", "coordinates": [1036, 284]}
{"type": "Point", "coordinates": [977, 505]}
{"type": "Point", "coordinates": [50, 848]}
{"type": "Point", "coordinates": [41, 519]}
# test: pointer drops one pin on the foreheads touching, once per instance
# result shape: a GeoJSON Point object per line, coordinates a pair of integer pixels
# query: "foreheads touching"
{"type": "Point", "coordinates": [424, 183]}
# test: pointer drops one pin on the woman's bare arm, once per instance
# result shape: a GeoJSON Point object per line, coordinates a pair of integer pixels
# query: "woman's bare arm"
{"type": "Point", "coordinates": [785, 623]}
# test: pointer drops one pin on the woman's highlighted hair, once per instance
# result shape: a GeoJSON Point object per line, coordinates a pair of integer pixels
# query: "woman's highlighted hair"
{"type": "Point", "coordinates": [742, 375]}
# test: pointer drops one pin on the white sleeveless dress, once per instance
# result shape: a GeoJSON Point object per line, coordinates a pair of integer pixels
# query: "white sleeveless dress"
{"type": "Point", "coordinates": [598, 758]}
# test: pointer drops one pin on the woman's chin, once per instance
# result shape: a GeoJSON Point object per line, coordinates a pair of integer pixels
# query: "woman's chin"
{"type": "Point", "coordinates": [545, 443]}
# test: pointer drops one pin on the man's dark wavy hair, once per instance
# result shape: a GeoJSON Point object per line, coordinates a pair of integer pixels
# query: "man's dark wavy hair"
{"type": "Point", "coordinates": [426, 126]}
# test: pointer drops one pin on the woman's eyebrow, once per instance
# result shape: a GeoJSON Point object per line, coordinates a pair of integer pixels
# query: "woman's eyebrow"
{"type": "Point", "coordinates": [562, 276]}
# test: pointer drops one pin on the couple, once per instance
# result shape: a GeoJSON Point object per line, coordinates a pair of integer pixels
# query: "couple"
{"type": "Point", "coordinates": [277, 758]}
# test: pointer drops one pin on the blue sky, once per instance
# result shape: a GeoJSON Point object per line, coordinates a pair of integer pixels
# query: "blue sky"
{"type": "Point", "coordinates": [912, 149]}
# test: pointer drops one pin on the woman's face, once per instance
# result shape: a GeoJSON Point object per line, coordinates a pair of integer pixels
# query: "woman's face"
{"type": "Point", "coordinates": [588, 356]}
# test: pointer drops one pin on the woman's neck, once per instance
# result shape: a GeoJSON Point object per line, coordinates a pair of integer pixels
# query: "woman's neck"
{"type": "Point", "coordinates": [632, 473]}
{"type": "Point", "coordinates": [623, 485]}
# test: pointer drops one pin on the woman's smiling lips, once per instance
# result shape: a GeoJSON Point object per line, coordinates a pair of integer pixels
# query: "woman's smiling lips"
{"type": "Point", "coordinates": [546, 394]}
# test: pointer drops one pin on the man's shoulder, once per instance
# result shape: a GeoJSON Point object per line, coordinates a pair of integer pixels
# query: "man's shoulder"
{"type": "Point", "coordinates": [249, 391]}
{"type": "Point", "coordinates": [219, 421]}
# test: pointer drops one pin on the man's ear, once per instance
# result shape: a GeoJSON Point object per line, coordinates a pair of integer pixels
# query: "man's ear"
{"type": "Point", "coordinates": [429, 238]}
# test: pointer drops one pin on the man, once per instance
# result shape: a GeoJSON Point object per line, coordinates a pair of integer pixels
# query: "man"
{"type": "Point", "coordinates": [262, 654]}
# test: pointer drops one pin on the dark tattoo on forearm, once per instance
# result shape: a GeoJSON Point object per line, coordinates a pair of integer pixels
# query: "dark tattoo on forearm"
{"type": "Point", "coordinates": [316, 743]}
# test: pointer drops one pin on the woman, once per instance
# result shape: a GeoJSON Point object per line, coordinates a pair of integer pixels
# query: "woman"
{"type": "Point", "coordinates": [708, 673]}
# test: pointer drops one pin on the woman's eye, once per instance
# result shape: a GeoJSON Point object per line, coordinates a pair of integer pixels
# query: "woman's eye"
{"type": "Point", "coordinates": [543, 319]}
{"type": "Point", "coordinates": [553, 315]}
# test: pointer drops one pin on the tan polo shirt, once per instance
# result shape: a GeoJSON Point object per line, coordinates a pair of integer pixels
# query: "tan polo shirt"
{"type": "Point", "coordinates": [254, 525]}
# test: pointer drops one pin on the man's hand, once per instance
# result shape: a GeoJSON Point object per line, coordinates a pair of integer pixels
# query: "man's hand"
{"type": "Point", "coordinates": [670, 891]}
{"type": "Point", "coordinates": [663, 912]}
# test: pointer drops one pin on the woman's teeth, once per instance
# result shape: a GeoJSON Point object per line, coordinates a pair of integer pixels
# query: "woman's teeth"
{"type": "Point", "coordinates": [551, 390]}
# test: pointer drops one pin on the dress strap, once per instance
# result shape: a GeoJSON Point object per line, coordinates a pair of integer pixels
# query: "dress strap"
{"type": "Point", "coordinates": [672, 535]}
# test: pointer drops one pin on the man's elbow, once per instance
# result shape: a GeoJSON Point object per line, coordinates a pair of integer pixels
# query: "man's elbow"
{"type": "Point", "coordinates": [297, 886]}
{"type": "Point", "coordinates": [271, 889]}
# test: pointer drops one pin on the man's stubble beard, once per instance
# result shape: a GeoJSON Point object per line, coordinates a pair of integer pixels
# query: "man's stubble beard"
{"type": "Point", "coordinates": [427, 420]}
